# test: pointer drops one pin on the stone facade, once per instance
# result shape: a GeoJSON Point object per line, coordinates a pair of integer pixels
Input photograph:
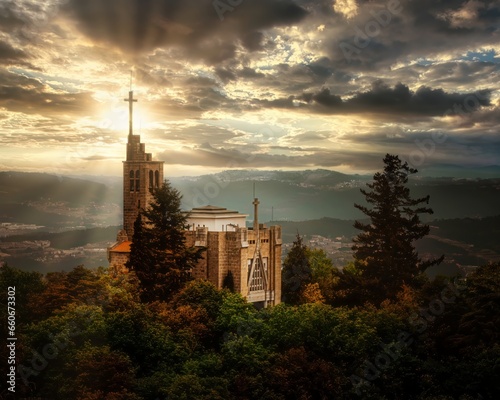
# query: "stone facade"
{"type": "Point", "coordinates": [252, 255]}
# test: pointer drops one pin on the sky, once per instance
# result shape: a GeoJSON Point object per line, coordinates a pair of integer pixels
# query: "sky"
{"type": "Point", "coordinates": [249, 84]}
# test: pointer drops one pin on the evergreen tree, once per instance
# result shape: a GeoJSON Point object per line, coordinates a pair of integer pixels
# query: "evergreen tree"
{"type": "Point", "coordinates": [296, 272]}
{"type": "Point", "coordinates": [385, 249]}
{"type": "Point", "coordinates": [159, 255]}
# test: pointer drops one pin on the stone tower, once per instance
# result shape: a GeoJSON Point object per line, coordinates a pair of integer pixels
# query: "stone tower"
{"type": "Point", "coordinates": [140, 175]}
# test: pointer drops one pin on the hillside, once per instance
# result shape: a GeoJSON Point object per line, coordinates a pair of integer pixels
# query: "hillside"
{"type": "Point", "coordinates": [22, 187]}
{"type": "Point", "coordinates": [70, 213]}
{"type": "Point", "coordinates": [307, 195]}
{"type": "Point", "coordinates": [57, 203]}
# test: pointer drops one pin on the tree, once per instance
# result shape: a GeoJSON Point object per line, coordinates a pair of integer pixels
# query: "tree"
{"type": "Point", "coordinates": [322, 272]}
{"type": "Point", "coordinates": [385, 250]}
{"type": "Point", "coordinates": [296, 272]}
{"type": "Point", "coordinates": [159, 255]}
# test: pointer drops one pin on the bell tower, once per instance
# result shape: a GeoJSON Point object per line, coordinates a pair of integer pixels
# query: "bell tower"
{"type": "Point", "coordinates": [141, 174]}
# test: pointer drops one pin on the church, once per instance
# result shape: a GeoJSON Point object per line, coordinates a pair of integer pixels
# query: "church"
{"type": "Point", "coordinates": [250, 255]}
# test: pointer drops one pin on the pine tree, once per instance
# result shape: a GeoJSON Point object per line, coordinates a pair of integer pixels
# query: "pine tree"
{"type": "Point", "coordinates": [296, 272]}
{"type": "Point", "coordinates": [159, 255]}
{"type": "Point", "coordinates": [385, 249]}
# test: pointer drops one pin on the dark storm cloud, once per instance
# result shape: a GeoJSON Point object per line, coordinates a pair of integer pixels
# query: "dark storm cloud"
{"type": "Point", "coordinates": [287, 78]}
{"type": "Point", "coordinates": [137, 26]}
{"type": "Point", "coordinates": [464, 72]}
{"type": "Point", "coordinates": [400, 99]}
{"type": "Point", "coordinates": [28, 95]}
{"type": "Point", "coordinates": [9, 54]}
{"type": "Point", "coordinates": [376, 38]}
{"type": "Point", "coordinates": [8, 19]}
{"type": "Point", "coordinates": [485, 119]}
{"type": "Point", "coordinates": [386, 100]}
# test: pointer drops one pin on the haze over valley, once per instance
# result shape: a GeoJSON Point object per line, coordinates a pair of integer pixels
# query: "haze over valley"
{"type": "Point", "coordinates": [52, 223]}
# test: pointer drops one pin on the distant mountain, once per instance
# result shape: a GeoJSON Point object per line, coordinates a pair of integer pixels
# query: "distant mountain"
{"type": "Point", "coordinates": [20, 187]}
{"type": "Point", "coordinates": [305, 195]}
{"type": "Point", "coordinates": [313, 202]}
{"type": "Point", "coordinates": [56, 202]}
{"type": "Point", "coordinates": [69, 240]}
{"type": "Point", "coordinates": [284, 196]}
{"type": "Point", "coordinates": [458, 171]}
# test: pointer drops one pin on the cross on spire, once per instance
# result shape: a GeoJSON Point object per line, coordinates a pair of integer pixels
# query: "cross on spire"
{"type": "Point", "coordinates": [131, 102]}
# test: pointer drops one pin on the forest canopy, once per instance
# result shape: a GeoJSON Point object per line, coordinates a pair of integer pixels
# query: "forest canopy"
{"type": "Point", "coordinates": [87, 335]}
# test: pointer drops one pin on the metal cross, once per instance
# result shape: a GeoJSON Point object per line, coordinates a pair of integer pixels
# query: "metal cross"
{"type": "Point", "coordinates": [131, 102]}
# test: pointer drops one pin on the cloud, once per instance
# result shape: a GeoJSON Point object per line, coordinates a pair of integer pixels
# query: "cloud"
{"type": "Point", "coordinates": [466, 16]}
{"type": "Point", "coordinates": [377, 38]}
{"type": "Point", "coordinates": [348, 8]}
{"type": "Point", "coordinates": [207, 88]}
{"type": "Point", "coordinates": [8, 19]}
{"type": "Point", "coordinates": [139, 26]}
{"type": "Point", "coordinates": [382, 99]}
{"type": "Point", "coordinates": [26, 95]}
{"type": "Point", "coordinates": [9, 54]}
{"type": "Point", "coordinates": [224, 158]}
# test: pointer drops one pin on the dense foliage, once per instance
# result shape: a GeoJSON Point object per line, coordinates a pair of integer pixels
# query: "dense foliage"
{"type": "Point", "coordinates": [86, 335]}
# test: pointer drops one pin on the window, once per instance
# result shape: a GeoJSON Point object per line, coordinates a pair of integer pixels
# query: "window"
{"type": "Point", "coordinates": [151, 179]}
{"type": "Point", "coordinates": [131, 175]}
{"type": "Point", "coordinates": [257, 280]}
{"type": "Point", "coordinates": [157, 178]}
{"type": "Point", "coordinates": [137, 181]}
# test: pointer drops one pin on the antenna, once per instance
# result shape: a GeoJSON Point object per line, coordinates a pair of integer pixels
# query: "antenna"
{"type": "Point", "coordinates": [254, 190]}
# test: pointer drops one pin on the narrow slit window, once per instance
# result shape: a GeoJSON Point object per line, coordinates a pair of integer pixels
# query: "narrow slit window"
{"type": "Point", "coordinates": [131, 175]}
{"type": "Point", "coordinates": [151, 179]}
{"type": "Point", "coordinates": [137, 181]}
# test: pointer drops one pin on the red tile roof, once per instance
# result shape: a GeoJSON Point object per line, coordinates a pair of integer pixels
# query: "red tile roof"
{"type": "Point", "coordinates": [123, 247]}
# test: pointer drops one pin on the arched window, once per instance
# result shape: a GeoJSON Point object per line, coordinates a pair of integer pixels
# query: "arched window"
{"type": "Point", "coordinates": [151, 179]}
{"type": "Point", "coordinates": [131, 175]}
{"type": "Point", "coordinates": [137, 181]}
{"type": "Point", "coordinates": [157, 179]}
